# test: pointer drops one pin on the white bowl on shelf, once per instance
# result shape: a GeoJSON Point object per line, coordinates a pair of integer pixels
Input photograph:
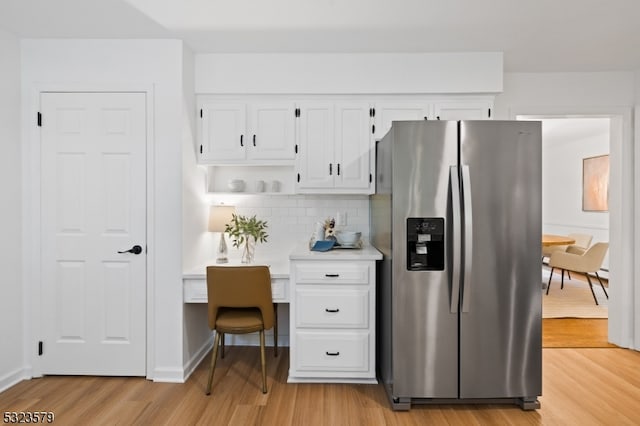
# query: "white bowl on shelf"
{"type": "Point", "coordinates": [236, 185]}
{"type": "Point", "coordinates": [348, 238]}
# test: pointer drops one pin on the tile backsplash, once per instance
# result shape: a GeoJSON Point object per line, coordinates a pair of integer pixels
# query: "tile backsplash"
{"type": "Point", "coordinates": [291, 218]}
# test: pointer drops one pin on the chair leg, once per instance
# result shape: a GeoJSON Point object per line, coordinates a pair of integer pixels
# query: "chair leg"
{"type": "Point", "coordinates": [601, 285]}
{"type": "Point", "coordinates": [223, 339]}
{"type": "Point", "coordinates": [549, 284]}
{"type": "Point", "coordinates": [275, 330]}
{"type": "Point", "coordinates": [569, 274]}
{"type": "Point", "coordinates": [591, 287]}
{"type": "Point", "coordinates": [214, 355]}
{"type": "Point", "coordinates": [562, 281]}
{"type": "Point", "coordinates": [263, 362]}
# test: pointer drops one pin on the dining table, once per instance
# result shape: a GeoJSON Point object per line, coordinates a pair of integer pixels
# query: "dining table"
{"type": "Point", "coordinates": [554, 240]}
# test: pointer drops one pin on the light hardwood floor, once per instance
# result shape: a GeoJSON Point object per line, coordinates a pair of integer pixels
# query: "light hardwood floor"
{"type": "Point", "coordinates": [580, 386]}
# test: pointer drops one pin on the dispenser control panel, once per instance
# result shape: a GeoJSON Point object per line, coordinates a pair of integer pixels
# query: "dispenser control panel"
{"type": "Point", "coordinates": [425, 244]}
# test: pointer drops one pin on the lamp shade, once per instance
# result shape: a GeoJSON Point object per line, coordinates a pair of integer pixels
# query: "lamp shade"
{"type": "Point", "coordinates": [219, 216]}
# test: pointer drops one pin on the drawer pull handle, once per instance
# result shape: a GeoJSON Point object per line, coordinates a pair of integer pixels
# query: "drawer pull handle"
{"type": "Point", "coordinates": [331, 310]}
{"type": "Point", "coordinates": [333, 353]}
{"type": "Point", "coordinates": [332, 275]}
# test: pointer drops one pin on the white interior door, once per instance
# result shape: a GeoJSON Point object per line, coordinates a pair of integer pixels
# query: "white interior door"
{"type": "Point", "coordinates": [93, 206]}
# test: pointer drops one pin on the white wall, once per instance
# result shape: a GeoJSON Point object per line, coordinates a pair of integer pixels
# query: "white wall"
{"type": "Point", "coordinates": [604, 94]}
{"type": "Point", "coordinates": [459, 72]}
{"type": "Point", "coordinates": [11, 294]}
{"type": "Point", "coordinates": [562, 178]}
{"type": "Point", "coordinates": [157, 66]}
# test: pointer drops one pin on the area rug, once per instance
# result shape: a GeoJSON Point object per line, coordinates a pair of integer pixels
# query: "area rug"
{"type": "Point", "coordinates": [574, 301]}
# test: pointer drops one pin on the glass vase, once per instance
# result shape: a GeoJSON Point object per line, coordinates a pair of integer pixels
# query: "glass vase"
{"type": "Point", "coordinates": [249, 250]}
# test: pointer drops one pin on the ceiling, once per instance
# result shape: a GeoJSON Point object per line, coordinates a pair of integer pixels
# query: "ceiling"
{"type": "Point", "coordinates": [535, 36]}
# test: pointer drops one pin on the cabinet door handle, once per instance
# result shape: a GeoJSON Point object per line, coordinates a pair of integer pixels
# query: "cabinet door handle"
{"type": "Point", "coordinates": [338, 169]}
{"type": "Point", "coordinates": [330, 169]}
{"type": "Point", "coordinates": [333, 353]}
{"type": "Point", "coordinates": [331, 310]}
{"type": "Point", "coordinates": [332, 275]}
{"type": "Point", "coordinates": [254, 140]}
{"type": "Point", "coordinates": [241, 140]}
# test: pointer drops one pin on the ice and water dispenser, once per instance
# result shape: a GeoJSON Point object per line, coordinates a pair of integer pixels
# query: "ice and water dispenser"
{"type": "Point", "coordinates": [425, 244]}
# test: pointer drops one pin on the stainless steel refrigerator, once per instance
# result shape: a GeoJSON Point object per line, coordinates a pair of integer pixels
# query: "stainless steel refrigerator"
{"type": "Point", "coordinates": [457, 216]}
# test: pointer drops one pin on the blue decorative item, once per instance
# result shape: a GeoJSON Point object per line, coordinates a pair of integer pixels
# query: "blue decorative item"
{"type": "Point", "coordinates": [323, 245]}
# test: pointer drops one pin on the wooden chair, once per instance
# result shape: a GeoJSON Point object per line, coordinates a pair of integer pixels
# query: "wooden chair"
{"type": "Point", "coordinates": [589, 262]}
{"type": "Point", "coordinates": [240, 302]}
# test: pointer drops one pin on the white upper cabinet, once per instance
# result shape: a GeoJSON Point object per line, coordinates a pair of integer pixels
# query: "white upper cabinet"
{"type": "Point", "coordinates": [247, 132]}
{"type": "Point", "coordinates": [387, 112]}
{"type": "Point", "coordinates": [462, 110]}
{"type": "Point", "coordinates": [334, 141]}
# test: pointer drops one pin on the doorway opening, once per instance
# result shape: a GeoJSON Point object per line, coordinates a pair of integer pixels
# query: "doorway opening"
{"type": "Point", "coordinates": [571, 318]}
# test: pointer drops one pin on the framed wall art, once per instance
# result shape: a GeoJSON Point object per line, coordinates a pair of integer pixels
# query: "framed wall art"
{"type": "Point", "coordinates": [595, 184]}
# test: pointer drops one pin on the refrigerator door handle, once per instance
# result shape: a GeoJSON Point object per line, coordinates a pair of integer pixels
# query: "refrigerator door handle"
{"type": "Point", "coordinates": [457, 238]}
{"type": "Point", "coordinates": [468, 239]}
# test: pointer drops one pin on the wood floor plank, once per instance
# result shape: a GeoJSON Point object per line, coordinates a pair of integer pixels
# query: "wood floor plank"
{"type": "Point", "coordinates": [586, 386]}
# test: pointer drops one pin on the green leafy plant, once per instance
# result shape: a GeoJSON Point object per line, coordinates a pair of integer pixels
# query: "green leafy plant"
{"type": "Point", "coordinates": [241, 227]}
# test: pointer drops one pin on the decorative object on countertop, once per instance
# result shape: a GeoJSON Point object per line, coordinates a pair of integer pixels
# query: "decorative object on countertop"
{"type": "Point", "coordinates": [323, 245]}
{"type": "Point", "coordinates": [245, 232]}
{"type": "Point", "coordinates": [219, 217]}
{"type": "Point", "coordinates": [330, 229]}
{"type": "Point", "coordinates": [236, 185]}
{"type": "Point", "coordinates": [348, 238]}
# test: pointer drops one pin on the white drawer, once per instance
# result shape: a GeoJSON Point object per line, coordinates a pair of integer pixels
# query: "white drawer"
{"type": "Point", "coordinates": [339, 351]}
{"type": "Point", "coordinates": [331, 272]}
{"type": "Point", "coordinates": [322, 308]}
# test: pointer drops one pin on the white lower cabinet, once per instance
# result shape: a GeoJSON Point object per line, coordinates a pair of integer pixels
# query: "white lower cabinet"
{"type": "Point", "coordinates": [332, 335]}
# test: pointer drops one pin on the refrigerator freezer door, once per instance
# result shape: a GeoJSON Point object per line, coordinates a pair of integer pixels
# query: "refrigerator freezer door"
{"type": "Point", "coordinates": [424, 332]}
{"type": "Point", "coordinates": [500, 335]}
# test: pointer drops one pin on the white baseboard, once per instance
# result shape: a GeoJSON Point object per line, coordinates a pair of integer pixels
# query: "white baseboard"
{"type": "Point", "coordinates": [13, 378]}
{"type": "Point", "coordinates": [253, 339]}
{"type": "Point", "coordinates": [168, 375]}
{"type": "Point", "coordinates": [197, 358]}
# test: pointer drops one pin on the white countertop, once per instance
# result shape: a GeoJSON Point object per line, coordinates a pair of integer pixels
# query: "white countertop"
{"type": "Point", "coordinates": [279, 264]}
{"type": "Point", "coordinates": [367, 252]}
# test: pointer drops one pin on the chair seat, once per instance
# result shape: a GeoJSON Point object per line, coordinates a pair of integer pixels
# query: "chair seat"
{"type": "Point", "coordinates": [239, 320]}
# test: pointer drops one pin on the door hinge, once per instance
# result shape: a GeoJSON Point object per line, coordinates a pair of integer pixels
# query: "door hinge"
{"type": "Point", "coordinates": [373, 110]}
{"type": "Point", "coordinates": [200, 113]}
{"type": "Point", "coordinates": [489, 112]}
{"type": "Point", "coordinates": [298, 177]}
{"type": "Point", "coordinates": [370, 178]}
{"type": "Point", "coordinates": [40, 348]}
{"type": "Point", "coordinates": [39, 119]}
{"type": "Point", "coordinates": [200, 149]}
{"type": "Point", "coordinates": [297, 112]}
{"type": "Point", "coordinates": [296, 148]}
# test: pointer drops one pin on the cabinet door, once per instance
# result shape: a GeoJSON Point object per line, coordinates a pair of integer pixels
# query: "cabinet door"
{"type": "Point", "coordinates": [387, 112]}
{"type": "Point", "coordinates": [352, 146]}
{"type": "Point", "coordinates": [462, 110]}
{"type": "Point", "coordinates": [272, 135]}
{"type": "Point", "coordinates": [315, 140]}
{"type": "Point", "coordinates": [223, 132]}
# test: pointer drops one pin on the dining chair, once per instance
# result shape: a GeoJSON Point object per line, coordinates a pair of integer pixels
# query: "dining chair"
{"type": "Point", "coordinates": [588, 262]}
{"type": "Point", "coordinates": [580, 245]}
{"type": "Point", "coordinates": [240, 302]}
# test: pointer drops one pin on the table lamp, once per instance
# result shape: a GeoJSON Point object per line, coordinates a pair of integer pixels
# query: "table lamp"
{"type": "Point", "coordinates": [219, 216]}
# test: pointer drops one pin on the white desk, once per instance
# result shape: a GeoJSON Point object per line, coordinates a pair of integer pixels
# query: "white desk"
{"type": "Point", "coordinates": [195, 281]}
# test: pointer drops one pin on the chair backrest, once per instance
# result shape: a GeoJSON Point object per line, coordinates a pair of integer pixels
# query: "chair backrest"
{"type": "Point", "coordinates": [581, 240]}
{"type": "Point", "coordinates": [240, 287]}
{"type": "Point", "coordinates": [594, 256]}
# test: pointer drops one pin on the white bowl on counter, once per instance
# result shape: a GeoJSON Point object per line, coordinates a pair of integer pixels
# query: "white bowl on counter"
{"type": "Point", "coordinates": [348, 238]}
{"type": "Point", "coordinates": [236, 185]}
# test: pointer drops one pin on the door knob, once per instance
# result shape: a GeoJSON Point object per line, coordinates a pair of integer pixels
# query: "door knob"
{"type": "Point", "coordinates": [135, 250]}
